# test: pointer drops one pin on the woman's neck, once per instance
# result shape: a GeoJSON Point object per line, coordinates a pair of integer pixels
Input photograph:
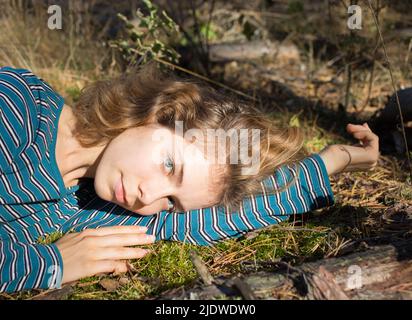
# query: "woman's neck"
{"type": "Point", "coordinates": [73, 160]}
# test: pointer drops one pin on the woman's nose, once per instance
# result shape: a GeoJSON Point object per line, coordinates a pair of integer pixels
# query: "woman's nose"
{"type": "Point", "coordinates": [150, 191]}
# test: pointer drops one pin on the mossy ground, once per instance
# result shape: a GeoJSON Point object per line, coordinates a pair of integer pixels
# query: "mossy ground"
{"type": "Point", "coordinates": [365, 201]}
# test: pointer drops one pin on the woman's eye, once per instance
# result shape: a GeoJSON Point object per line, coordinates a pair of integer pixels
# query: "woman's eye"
{"type": "Point", "coordinates": [169, 165]}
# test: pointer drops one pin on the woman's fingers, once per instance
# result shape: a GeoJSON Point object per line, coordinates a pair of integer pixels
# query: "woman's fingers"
{"type": "Point", "coordinates": [368, 138]}
{"type": "Point", "coordinates": [364, 133]}
{"type": "Point", "coordinates": [67, 237]}
{"type": "Point", "coordinates": [101, 232]}
{"type": "Point", "coordinates": [108, 266]}
{"type": "Point", "coordinates": [355, 127]}
{"type": "Point", "coordinates": [363, 156]}
{"type": "Point", "coordinates": [104, 250]}
{"type": "Point", "coordinates": [120, 253]}
{"type": "Point", "coordinates": [352, 128]}
{"type": "Point", "coordinates": [121, 240]}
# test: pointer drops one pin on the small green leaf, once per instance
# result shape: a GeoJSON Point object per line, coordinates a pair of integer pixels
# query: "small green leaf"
{"type": "Point", "coordinates": [294, 121]}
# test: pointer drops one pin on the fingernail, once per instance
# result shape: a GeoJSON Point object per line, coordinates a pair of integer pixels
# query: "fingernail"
{"type": "Point", "coordinates": [151, 237]}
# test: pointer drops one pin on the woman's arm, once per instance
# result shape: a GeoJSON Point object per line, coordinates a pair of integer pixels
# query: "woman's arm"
{"type": "Point", "coordinates": [311, 191]}
{"type": "Point", "coordinates": [25, 266]}
{"type": "Point", "coordinates": [206, 226]}
{"type": "Point", "coordinates": [15, 129]}
{"type": "Point", "coordinates": [361, 157]}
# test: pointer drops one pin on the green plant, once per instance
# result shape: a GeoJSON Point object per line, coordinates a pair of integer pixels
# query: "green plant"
{"type": "Point", "coordinates": [50, 238]}
{"type": "Point", "coordinates": [147, 36]}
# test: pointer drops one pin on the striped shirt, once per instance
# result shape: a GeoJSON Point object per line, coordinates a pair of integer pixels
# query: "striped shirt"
{"type": "Point", "coordinates": [34, 201]}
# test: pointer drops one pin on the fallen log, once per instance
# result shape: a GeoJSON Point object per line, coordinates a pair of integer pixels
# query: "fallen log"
{"type": "Point", "coordinates": [224, 52]}
{"type": "Point", "coordinates": [380, 272]}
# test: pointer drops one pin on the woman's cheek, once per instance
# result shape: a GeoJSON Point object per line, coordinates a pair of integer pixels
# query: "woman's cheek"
{"type": "Point", "coordinates": [100, 185]}
{"type": "Point", "coordinates": [103, 192]}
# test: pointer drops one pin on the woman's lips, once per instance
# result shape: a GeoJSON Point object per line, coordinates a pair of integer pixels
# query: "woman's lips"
{"type": "Point", "coordinates": [119, 192]}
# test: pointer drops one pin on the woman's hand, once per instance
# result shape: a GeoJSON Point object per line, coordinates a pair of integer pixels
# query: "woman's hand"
{"type": "Point", "coordinates": [103, 250]}
{"type": "Point", "coordinates": [363, 157]}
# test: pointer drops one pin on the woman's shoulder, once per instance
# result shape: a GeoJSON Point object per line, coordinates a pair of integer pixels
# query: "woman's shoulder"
{"type": "Point", "coordinates": [29, 110]}
{"type": "Point", "coordinates": [18, 114]}
{"type": "Point", "coordinates": [18, 80]}
{"type": "Point", "coordinates": [29, 84]}
{"type": "Point", "coordinates": [29, 107]}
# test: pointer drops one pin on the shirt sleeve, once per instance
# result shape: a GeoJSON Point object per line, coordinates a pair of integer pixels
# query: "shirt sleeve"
{"type": "Point", "coordinates": [23, 96]}
{"type": "Point", "coordinates": [27, 107]}
{"type": "Point", "coordinates": [17, 116]}
{"type": "Point", "coordinates": [25, 266]}
{"type": "Point", "coordinates": [207, 226]}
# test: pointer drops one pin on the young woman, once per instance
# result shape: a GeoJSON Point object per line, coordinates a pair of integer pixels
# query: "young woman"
{"type": "Point", "coordinates": [113, 169]}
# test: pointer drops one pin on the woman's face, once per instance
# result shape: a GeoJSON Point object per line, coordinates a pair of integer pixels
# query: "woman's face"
{"type": "Point", "coordinates": [153, 164]}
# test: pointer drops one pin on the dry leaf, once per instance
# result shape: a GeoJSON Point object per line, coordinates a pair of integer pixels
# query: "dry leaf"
{"type": "Point", "coordinates": [109, 284]}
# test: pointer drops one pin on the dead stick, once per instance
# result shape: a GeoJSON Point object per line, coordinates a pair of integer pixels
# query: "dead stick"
{"type": "Point", "coordinates": [201, 268]}
{"type": "Point", "coordinates": [244, 289]}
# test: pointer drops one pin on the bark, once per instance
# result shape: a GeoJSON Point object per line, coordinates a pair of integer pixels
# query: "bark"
{"type": "Point", "coordinates": [252, 50]}
{"type": "Point", "coordinates": [381, 272]}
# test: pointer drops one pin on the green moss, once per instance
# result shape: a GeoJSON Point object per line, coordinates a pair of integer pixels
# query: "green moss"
{"type": "Point", "coordinates": [50, 238]}
{"type": "Point", "coordinates": [73, 93]}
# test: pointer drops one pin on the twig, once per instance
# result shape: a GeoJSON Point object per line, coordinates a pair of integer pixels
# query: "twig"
{"type": "Point", "coordinates": [179, 13]}
{"type": "Point", "coordinates": [372, 72]}
{"type": "Point", "coordinates": [244, 289]}
{"type": "Point", "coordinates": [212, 6]}
{"type": "Point", "coordinates": [201, 268]}
{"type": "Point", "coordinates": [204, 78]}
{"type": "Point", "coordinates": [407, 54]}
{"type": "Point", "coordinates": [348, 69]}
{"type": "Point", "coordinates": [57, 294]}
{"type": "Point", "coordinates": [197, 27]}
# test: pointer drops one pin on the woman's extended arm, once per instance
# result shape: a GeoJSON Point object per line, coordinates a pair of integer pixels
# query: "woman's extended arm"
{"type": "Point", "coordinates": [206, 226]}
{"type": "Point", "coordinates": [364, 156]}
{"type": "Point", "coordinates": [311, 191]}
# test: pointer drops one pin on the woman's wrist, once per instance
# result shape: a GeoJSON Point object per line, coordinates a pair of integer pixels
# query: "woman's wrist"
{"type": "Point", "coordinates": [336, 158]}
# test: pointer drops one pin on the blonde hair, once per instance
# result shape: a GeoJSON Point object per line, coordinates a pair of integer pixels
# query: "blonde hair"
{"type": "Point", "coordinates": [148, 95]}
